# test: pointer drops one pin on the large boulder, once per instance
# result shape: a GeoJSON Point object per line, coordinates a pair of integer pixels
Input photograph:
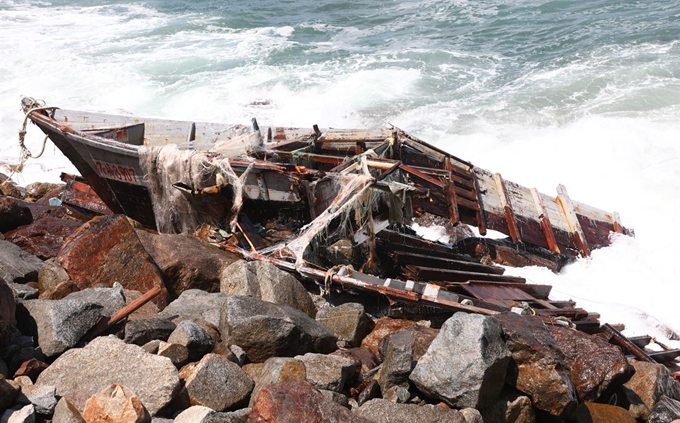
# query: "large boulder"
{"type": "Point", "coordinates": [44, 237]}
{"type": "Point", "coordinates": [7, 310]}
{"type": "Point", "coordinates": [329, 372]}
{"type": "Point", "coordinates": [539, 366]}
{"type": "Point", "coordinates": [60, 324]}
{"type": "Point", "coordinates": [217, 383]}
{"type": "Point", "coordinates": [17, 265]}
{"type": "Point", "coordinates": [115, 403]}
{"type": "Point", "coordinates": [383, 327]}
{"type": "Point", "coordinates": [195, 305]}
{"type": "Point", "coordinates": [106, 250]}
{"type": "Point", "coordinates": [466, 364]}
{"type": "Point", "coordinates": [298, 401]}
{"type": "Point", "coordinates": [349, 322]}
{"type": "Point", "coordinates": [13, 214]}
{"type": "Point", "coordinates": [264, 281]}
{"type": "Point", "coordinates": [384, 411]}
{"type": "Point", "coordinates": [80, 373]}
{"type": "Point", "coordinates": [186, 261]}
{"type": "Point", "coordinates": [267, 330]}
{"type": "Point", "coordinates": [651, 381]}
{"type": "Point", "coordinates": [596, 365]}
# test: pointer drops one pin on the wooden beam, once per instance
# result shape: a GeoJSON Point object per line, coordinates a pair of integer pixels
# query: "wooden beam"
{"type": "Point", "coordinates": [617, 338]}
{"type": "Point", "coordinates": [572, 220]}
{"type": "Point", "coordinates": [510, 218]}
{"type": "Point", "coordinates": [481, 215]}
{"type": "Point", "coordinates": [451, 197]}
{"type": "Point", "coordinates": [545, 222]}
{"type": "Point", "coordinates": [616, 221]}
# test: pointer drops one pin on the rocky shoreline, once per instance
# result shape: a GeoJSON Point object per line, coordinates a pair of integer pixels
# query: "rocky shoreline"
{"type": "Point", "coordinates": [225, 340]}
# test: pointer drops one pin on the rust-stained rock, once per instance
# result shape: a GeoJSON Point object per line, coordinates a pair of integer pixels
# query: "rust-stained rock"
{"type": "Point", "coordinates": [13, 214]}
{"type": "Point", "coordinates": [40, 210]}
{"type": "Point", "coordinates": [44, 237]}
{"type": "Point", "coordinates": [115, 404]}
{"type": "Point", "coordinates": [186, 262]}
{"type": "Point", "coordinates": [596, 365]}
{"type": "Point", "coordinates": [329, 372]}
{"type": "Point", "coordinates": [51, 274]}
{"type": "Point", "coordinates": [297, 401]}
{"type": "Point", "coordinates": [106, 250]}
{"type": "Point", "coordinates": [383, 327]}
{"type": "Point", "coordinates": [276, 370]}
{"type": "Point", "coordinates": [31, 368]}
{"type": "Point", "coordinates": [651, 381]}
{"type": "Point", "coordinates": [592, 412]}
{"type": "Point", "coordinates": [539, 366]}
{"type": "Point", "coordinates": [60, 291]}
{"type": "Point", "coordinates": [7, 310]}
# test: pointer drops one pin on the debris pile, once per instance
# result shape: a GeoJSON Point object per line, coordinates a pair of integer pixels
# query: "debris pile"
{"type": "Point", "coordinates": [102, 319]}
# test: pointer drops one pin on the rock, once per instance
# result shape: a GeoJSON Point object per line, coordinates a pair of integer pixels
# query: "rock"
{"type": "Point", "coordinates": [267, 330]}
{"type": "Point", "coordinates": [108, 360]}
{"type": "Point", "coordinates": [384, 411]}
{"type": "Point", "coordinates": [60, 291]}
{"type": "Point", "coordinates": [186, 262]}
{"type": "Point", "coordinates": [602, 413]}
{"type": "Point", "coordinates": [216, 383]}
{"type": "Point", "coordinates": [7, 310]}
{"type": "Point", "coordinates": [471, 415]}
{"type": "Point", "coordinates": [178, 354]}
{"type": "Point", "coordinates": [398, 361]}
{"type": "Point", "coordinates": [397, 394]}
{"type": "Point", "coordinates": [115, 403]}
{"type": "Point", "coordinates": [13, 214]}
{"type": "Point", "coordinates": [140, 332]}
{"type": "Point", "coordinates": [466, 364]}
{"type": "Point", "coordinates": [51, 275]}
{"type": "Point", "coordinates": [23, 415]}
{"type": "Point", "coordinates": [297, 401]}
{"type": "Point", "coordinates": [31, 368]}
{"type": "Point", "coordinates": [16, 265]}
{"type": "Point", "coordinates": [596, 365]}
{"type": "Point", "coordinates": [266, 282]}
{"type": "Point", "coordinates": [665, 410]}
{"type": "Point", "coordinates": [651, 381]}
{"type": "Point", "coordinates": [38, 190]}
{"type": "Point", "coordinates": [370, 391]}
{"type": "Point", "coordinates": [341, 252]}
{"type": "Point", "coordinates": [23, 381]}
{"type": "Point", "coordinates": [18, 350]}
{"type": "Point", "coordinates": [60, 324]}
{"type": "Point", "coordinates": [277, 370]}
{"type": "Point", "coordinates": [366, 359]}
{"type": "Point", "coordinates": [145, 312]}
{"type": "Point", "coordinates": [41, 396]}
{"type": "Point", "coordinates": [65, 412]}
{"type": "Point", "coordinates": [194, 304]}
{"type": "Point", "coordinates": [23, 291]}
{"type": "Point", "coordinates": [349, 322]}
{"type": "Point", "coordinates": [383, 327]}
{"type": "Point", "coordinates": [336, 397]}
{"type": "Point", "coordinates": [193, 337]}
{"type": "Point", "coordinates": [106, 250]}
{"type": "Point", "coordinates": [9, 390]}
{"type": "Point", "coordinates": [152, 347]}
{"type": "Point", "coordinates": [510, 407]}
{"type": "Point", "coordinates": [44, 237]}
{"type": "Point", "coordinates": [327, 371]}
{"type": "Point", "coordinates": [422, 335]}
{"type": "Point", "coordinates": [539, 366]}
{"type": "Point", "coordinates": [200, 414]}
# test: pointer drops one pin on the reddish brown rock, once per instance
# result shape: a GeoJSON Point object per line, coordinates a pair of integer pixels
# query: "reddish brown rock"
{"type": "Point", "coordinates": [422, 335]}
{"type": "Point", "coordinates": [115, 404]}
{"type": "Point", "coordinates": [651, 381]}
{"type": "Point", "coordinates": [383, 327]}
{"type": "Point", "coordinates": [186, 262]}
{"type": "Point", "coordinates": [539, 367]}
{"type": "Point", "coordinates": [602, 413]}
{"type": "Point", "coordinates": [364, 358]}
{"type": "Point", "coordinates": [13, 214]}
{"type": "Point", "coordinates": [297, 401]}
{"type": "Point", "coordinates": [44, 237]}
{"type": "Point", "coordinates": [596, 365]}
{"type": "Point", "coordinates": [31, 368]}
{"type": "Point", "coordinates": [60, 291]}
{"type": "Point", "coordinates": [107, 250]}
{"type": "Point", "coordinates": [39, 210]}
{"type": "Point", "coordinates": [7, 310]}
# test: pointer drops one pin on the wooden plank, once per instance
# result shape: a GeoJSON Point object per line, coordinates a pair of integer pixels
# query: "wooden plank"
{"type": "Point", "coordinates": [545, 222]}
{"type": "Point", "coordinates": [572, 220]}
{"type": "Point", "coordinates": [406, 258]}
{"type": "Point", "coordinates": [617, 338]}
{"type": "Point", "coordinates": [248, 230]}
{"type": "Point", "coordinates": [510, 218]}
{"type": "Point", "coordinates": [481, 224]}
{"type": "Point", "coordinates": [417, 173]}
{"type": "Point", "coordinates": [432, 273]}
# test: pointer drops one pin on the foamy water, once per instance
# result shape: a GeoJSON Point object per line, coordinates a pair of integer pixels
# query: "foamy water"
{"type": "Point", "coordinates": [583, 94]}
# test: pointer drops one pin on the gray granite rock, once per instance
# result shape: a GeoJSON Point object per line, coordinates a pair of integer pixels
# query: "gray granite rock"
{"type": "Point", "coordinates": [194, 304]}
{"type": "Point", "coordinates": [398, 361]}
{"type": "Point", "coordinates": [466, 364]}
{"type": "Point", "coordinates": [192, 336]}
{"type": "Point", "coordinates": [43, 398]}
{"type": "Point", "coordinates": [23, 291]}
{"type": "Point", "coordinates": [178, 354]}
{"type": "Point", "coordinates": [217, 383]}
{"type": "Point", "coordinates": [267, 330]}
{"type": "Point", "coordinates": [16, 265]}
{"type": "Point", "coordinates": [25, 414]}
{"type": "Point", "coordinates": [329, 372]}
{"type": "Point", "coordinates": [65, 412]}
{"type": "Point", "coordinates": [384, 411]}
{"type": "Point", "coordinates": [264, 281]}
{"type": "Point", "coordinates": [80, 373]}
{"type": "Point", "coordinates": [201, 414]}
{"type": "Point", "coordinates": [349, 322]}
{"type": "Point", "coordinates": [139, 332]}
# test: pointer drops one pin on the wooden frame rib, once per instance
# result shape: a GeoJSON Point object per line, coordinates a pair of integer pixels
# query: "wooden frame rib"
{"type": "Point", "coordinates": [545, 222]}
{"type": "Point", "coordinates": [510, 218]}
{"type": "Point", "coordinates": [572, 220]}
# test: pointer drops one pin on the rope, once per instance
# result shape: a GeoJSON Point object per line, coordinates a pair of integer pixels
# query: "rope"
{"type": "Point", "coordinates": [328, 278]}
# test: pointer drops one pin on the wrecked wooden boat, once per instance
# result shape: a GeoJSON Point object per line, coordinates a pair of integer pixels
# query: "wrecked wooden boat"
{"type": "Point", "coordinates": [335, 206]}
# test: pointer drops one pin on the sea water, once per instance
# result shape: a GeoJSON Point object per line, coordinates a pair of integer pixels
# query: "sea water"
{"type": "Point", "coordinates": [583, 93]}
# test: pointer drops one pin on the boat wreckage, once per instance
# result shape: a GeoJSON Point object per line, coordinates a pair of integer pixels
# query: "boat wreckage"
{"type": "Point", "coordinates": [336, 206]}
